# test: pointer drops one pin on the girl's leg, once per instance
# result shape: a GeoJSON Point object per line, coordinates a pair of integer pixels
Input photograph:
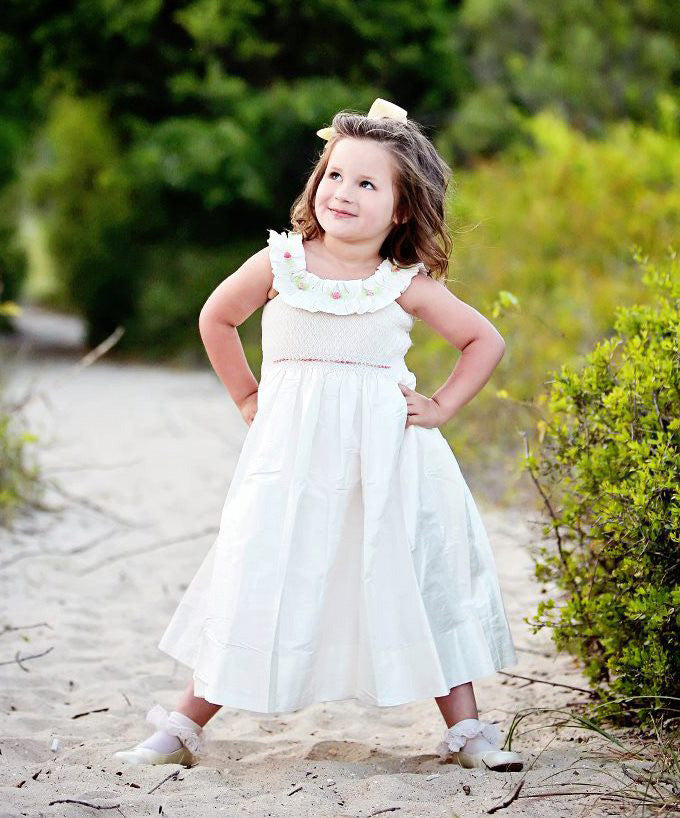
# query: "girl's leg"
{"type": "Point", "coordinates": [198, 710]}
{"type": "Point", "coordinates": [458, 704]}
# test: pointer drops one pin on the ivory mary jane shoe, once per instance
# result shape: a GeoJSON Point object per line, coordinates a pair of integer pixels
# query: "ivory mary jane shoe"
{"type": "Point", "coordinates": [493, 759]}
{"type": "Point", "coordinates": [145, 755]}
{"type": "Point", "coordinates": [503, 761]}
{"type": "Point", "coordinates": [176, 724]}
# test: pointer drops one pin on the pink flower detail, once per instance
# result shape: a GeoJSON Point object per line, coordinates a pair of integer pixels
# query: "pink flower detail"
{"type": "Point", "coordinates": [287, 254]}
{"type": "Point", "coordinates": [335, 294]}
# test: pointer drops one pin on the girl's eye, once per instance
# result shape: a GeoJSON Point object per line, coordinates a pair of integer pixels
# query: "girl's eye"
{"type": "Point", "coordinates": [335, 173]}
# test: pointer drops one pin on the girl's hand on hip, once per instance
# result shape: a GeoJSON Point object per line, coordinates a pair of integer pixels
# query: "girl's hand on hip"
{"type": "Point", "coordinates": [248, 407]}
{"type": "Point", "coordinates": [421, 410]}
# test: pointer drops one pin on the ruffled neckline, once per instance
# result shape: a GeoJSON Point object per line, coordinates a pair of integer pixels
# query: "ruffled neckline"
{"type": "Point", "coordinates": [302, 288]}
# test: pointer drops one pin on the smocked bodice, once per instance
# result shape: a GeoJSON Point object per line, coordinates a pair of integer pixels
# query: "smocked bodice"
{"type": "Point", "coordinates": [378, 340]}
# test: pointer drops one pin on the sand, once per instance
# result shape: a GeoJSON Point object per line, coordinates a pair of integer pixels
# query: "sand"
{"type": "Point", "coordinates": [139, 459]}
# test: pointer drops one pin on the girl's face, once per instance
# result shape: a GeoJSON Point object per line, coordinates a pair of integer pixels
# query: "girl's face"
{"type": "Point", "coordinates": [359, 180]}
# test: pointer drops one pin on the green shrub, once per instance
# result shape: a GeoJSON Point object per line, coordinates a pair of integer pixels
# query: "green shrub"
{"type": "Point", "coordinates": [608, 470]}
{"type": "Point", "coordinates": [20, 483]}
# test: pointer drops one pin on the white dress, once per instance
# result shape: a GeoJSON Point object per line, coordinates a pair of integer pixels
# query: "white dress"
{"type": "Point", "coordinates": [351, 560]}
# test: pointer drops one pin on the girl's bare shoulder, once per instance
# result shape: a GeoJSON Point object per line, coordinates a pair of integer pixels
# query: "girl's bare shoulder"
{"type": "Point", "coordinates": [430, 300]}
{"type": "Point", "coordinates": [421, 291]}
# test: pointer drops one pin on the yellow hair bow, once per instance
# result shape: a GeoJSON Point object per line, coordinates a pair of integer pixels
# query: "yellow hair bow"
{"type": "Point", "coordinates": [380, 108]}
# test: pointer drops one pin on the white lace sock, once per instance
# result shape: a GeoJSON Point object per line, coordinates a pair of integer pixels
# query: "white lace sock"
{"type": "Point", "coordinates": [174, 730]}
{"type": "Point", "coordinates": [470, 736]}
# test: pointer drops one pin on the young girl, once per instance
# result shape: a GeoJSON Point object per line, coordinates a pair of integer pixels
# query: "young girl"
{"type": "Point", "coordinates": [351, 560]}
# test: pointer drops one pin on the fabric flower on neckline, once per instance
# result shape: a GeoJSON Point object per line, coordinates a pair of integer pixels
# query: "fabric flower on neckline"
{"type": "Point", "coordinates": [301, 288]}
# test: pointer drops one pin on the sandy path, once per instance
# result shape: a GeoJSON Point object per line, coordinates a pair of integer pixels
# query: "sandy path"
{"type": "Point", "coordinates": [143, 456]}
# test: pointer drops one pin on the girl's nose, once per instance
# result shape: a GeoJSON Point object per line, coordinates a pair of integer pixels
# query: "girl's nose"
{"type": "Point", "coordinates": [342, 194]}
{"type": "Point", "coordinates": [342, 197]}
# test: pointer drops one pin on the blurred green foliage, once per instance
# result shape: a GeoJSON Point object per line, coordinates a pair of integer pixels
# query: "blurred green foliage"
{"type": "Point", "coordinates": [78, 184]}
{"type": "Point", "coordinates": [146, 148]}
{"type": "Point", "coordinates": [591, 63]}
{"type": "Point", "coordinates": [608, 467]}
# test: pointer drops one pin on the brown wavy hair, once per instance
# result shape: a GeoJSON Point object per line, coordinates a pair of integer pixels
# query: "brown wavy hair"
{"type": "Point", "coordinates": [422, 179]}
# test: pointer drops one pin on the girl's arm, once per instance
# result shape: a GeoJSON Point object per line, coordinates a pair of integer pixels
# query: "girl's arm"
{"type": "Point", "coordinates": [480, 343]}
{"type": "Point", "coordinates": [232, 301]}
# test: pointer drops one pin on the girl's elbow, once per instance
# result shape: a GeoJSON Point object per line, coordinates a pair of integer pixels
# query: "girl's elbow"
{"type": "Point", "coordinates": [202, 319]}
{"type": "Point", "coordinates": [499, 343]}
{"type": "Point", "coordinates": [491, 337]}
{"type": "Point", "coordinates": [206, 320]}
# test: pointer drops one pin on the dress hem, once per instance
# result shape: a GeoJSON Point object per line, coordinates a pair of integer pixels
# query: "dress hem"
{"type": "Point", "coordinates": [512, 661]}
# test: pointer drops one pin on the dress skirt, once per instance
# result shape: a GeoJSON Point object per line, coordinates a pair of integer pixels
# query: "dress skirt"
{"type": "Point", "coordinates": [351, 560]}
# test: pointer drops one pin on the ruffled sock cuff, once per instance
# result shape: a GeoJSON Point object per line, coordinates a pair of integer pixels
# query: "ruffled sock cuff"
{"type": "Point", "coordinates": [456, 735]}
{"type": "Point", "coordinates": [177, 724]}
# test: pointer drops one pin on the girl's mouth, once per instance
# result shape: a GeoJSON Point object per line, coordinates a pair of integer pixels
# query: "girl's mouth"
{"type": "Point", "coordinates": [340, 215]}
